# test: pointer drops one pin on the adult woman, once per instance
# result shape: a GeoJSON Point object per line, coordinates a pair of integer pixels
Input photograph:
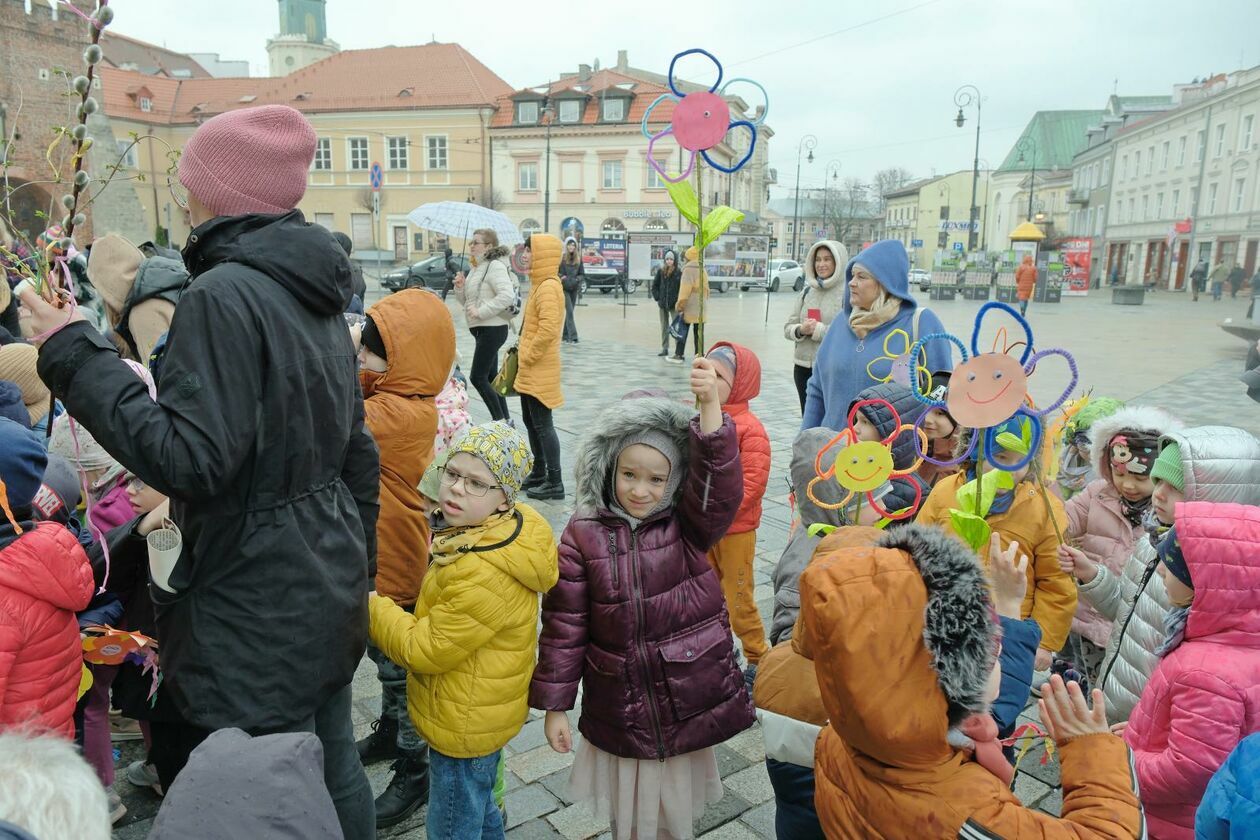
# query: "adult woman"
{"type": "Point", "coordinates": [665, 292]}
{"type": "Point", "coordinates": [877, 302]}
{"type": "Point", "coordinates": [693, 293]}
{"type": "Point", "coordinates": [816, 308]}
{"type": "Point", "coordinates": [538, 377]}
{"type": "Point", "coordinates": [571, 274]}
{"type": "Point", "coordinates": [486, 294]}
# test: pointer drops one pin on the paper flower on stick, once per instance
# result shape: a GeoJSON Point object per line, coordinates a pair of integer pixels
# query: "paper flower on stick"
{"type": "Point", "coordinates": [863, 466]}
{"type": "Point", "coordinates": [988, 389]}
{"type": "Point", "coordinates": [701, 120]}
{"type": "Point", "coordinates": [898, 361]}
{"type": "Point", "coordinates": [103, 645]}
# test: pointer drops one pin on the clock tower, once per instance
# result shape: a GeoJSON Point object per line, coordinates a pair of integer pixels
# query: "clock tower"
{"type": "Point", "coordinates": [303, 38]}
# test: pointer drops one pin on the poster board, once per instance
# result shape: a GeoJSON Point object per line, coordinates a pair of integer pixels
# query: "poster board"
{"type": "Point", "coordinates": [732, 258]}
{"type": "Point", "coordinates": [1076, 263]}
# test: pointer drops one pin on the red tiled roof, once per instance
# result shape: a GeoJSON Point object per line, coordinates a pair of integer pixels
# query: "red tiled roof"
{"type": "Point", "coordinates": [148, 58]}
{"type": "Point", "coordinates": [436, 76]}
{"type": "Point", "coordinates": [600, 84]}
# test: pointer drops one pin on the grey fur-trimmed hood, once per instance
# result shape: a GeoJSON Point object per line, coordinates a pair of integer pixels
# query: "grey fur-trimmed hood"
{"type": "Point", "coordinates": [958, 626]}
{"type": "Point", "coordinates": [1149, 420]}
{"type": "Point", "coordinates": [597, 454]}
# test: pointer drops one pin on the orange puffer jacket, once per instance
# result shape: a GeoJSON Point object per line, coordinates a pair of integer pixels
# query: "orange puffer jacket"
{"type": "Point", "coordinates": [419, 339]}
{"type": "Point", "coordinates": [754, 443]}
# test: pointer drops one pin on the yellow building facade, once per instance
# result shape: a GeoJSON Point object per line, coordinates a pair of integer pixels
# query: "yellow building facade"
{"type": "Point", "coordinates": [930, 216]}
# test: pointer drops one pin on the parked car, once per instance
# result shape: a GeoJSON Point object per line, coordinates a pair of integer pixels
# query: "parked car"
{"type": "Point", "coordinates": [429, 272]}
{"type": "Point", "coordinates": [922, 278]}
{"type": "Point", "coordinates": [605, 279]}
{"type": "Point", "coordinates": [779, 273]}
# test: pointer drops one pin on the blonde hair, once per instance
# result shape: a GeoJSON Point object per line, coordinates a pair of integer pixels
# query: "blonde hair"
{"type": "Point", "coordinates": [491, 238]}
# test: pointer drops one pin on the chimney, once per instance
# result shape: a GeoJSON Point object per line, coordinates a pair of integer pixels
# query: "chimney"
{"type": "Point", "coordinates": [584, 72]}
{"type": "Point", "coordinates": [623, 61]}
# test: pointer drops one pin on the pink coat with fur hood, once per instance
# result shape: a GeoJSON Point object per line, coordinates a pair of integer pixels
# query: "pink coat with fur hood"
{"type": "Point", "coordinates": [1096, 519]}
{"type": "Point", "coordinates": [1205, 695]}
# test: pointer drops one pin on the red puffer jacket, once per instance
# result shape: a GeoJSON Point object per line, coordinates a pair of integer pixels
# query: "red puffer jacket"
{"type": "Point", "coordinates": [44, 578]}
{"type": "Point", "coordinates": [638, 616]}
{"type": "Point", "coordinates": [754, 443]}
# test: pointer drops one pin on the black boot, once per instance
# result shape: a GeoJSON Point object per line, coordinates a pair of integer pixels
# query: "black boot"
{"type": "Point", "coordinates": [537, 476]}
{"type": "Point", "coordinates": [381, 745]}
{"type": "Point", "coordinates": [552, 489]}
{"type": "Point", "coordinates": [407, 791]}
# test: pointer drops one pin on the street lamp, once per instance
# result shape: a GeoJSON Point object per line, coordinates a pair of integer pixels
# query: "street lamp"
{"type": "Point", "coordinates": [1025, 144]}
{"type": "Point", "coordinates": [833, 169]}
{"type": "Point", "coordinates": [966, 96]}
{"type": "Point", "coordinates": [548, 114]}
{"type": "Point", "coordinates": [809, 141]}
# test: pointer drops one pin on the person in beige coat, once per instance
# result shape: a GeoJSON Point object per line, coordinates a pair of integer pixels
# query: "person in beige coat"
{"type": "Point", "coordinates": [693, 297]}
{"type": "Point", "coordinates": [139, 293]}
{"type": "Point", "coordinates": [487, 295]}
{"type": "Point", "coordinates": [816, 308]}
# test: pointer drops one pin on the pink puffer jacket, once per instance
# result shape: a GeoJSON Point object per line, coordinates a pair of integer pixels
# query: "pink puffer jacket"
{"type": "Point", "coordinates": [1205, 695]}
{"type": "Point", "coordinates": [1096, 522]}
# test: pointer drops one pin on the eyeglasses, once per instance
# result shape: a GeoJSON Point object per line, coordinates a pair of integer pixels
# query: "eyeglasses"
{"type": "Point", "coordinates": [476, 242]}
{"type": "Point", "coordinates": [135, 485]}
{"type": "Point", "coordinates": [471, 485]}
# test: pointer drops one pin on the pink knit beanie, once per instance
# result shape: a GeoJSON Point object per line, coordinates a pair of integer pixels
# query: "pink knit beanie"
{"type": "Point", "coordinates": [254, 160]}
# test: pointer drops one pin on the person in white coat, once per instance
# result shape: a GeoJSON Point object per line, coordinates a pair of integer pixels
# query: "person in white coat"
{"type": "Point", "coordinates": [1204, 464]}
{"type": "Point", "coordinates": [816, 308]}
{"type": "Point", "coordinates": [487, 295]}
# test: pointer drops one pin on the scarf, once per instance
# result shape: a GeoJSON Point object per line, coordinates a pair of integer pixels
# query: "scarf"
{"type": "Point", "coordinates": [885, 308]}
{"type": "Point", "coordinates": [1155, 529]}
{"type": "Point", "coordinates": [1175, 621]}
{"type": "Point", "coordinates": [1135, 512]}
{"type": "Point", "coordinates": [451, 543]}
{"type": "Point", "coordinates": [1002, 500]}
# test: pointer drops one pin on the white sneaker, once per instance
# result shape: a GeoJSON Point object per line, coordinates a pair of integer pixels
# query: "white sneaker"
{"type": "Point", "coordinates": [117, 810]}
{"type": "Point", "coordinates": [144, 775]}
{"type": "Point", "coordinates": [675, 359]}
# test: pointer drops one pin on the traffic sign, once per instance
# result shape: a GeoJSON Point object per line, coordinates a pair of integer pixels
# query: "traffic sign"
{"type": "Point", "coordinates": [916, 243]}
{"type": "Point", "coordinates": [958, 246]}
{"type": "Point", "coordinates": [377, 177]}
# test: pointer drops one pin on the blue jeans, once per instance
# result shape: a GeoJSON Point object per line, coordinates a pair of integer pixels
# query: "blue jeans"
{"type": "Point", "coordinates": [795, 817]}
{"type": "Point", "coordinates": [461, 798]}
{"type": "Point", "coordinates": [393, 679]}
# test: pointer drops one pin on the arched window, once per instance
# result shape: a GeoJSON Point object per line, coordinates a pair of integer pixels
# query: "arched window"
{"type": "Point", "coordinates": [656, 224]}
{"type": "Point", "coordinates": [613, 224]}
{"type": "Point", "coordinates": [529, 227]}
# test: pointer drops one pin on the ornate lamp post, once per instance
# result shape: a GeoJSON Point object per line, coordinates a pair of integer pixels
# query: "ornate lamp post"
{"type": "Point", "coordinates": [809, 141]}
{"type": "Point", "coordinates": [1028, 145]}
{"type": "Point", "coordinates": [964, 97]}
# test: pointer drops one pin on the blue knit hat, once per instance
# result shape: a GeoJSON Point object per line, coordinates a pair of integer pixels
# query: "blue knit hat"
{"type": "Point", "coordinates": [1169, 552]}
{"type": "Point", "coordinates": [22, 462]}
{"type": "Point", "coordinates": [11, 405]}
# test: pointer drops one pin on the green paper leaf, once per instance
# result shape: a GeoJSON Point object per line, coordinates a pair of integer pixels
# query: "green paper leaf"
{"type": "Point", "coordinates": [820, 529]}
{"type": "Point", "coordinates": [973, 530]}
{"type": "Point", "coordinates": [992, 482]}
{"type": "Point", "coordinates": [684, 198]}
{"type": "Point", "coordinates": [716, 223]}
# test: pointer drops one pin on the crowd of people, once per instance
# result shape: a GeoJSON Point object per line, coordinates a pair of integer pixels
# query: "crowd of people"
{"type": "Point", "coordinates": [243, 468]}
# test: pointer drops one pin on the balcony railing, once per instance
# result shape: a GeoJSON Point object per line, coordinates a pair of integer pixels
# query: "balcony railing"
{"type": "Point", "coordinates": [1078, 195]}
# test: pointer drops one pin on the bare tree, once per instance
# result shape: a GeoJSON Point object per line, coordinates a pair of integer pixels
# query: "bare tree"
{"type": "Point", "coordinates": [887, 180]}
{"type": "Point", "coordinates": [489, 199]}
{"type": "Point", "coordinates": [847, 206]}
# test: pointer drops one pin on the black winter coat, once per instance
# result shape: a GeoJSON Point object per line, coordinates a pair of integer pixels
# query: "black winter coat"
{"type": "Point", "coordinates": [571, 275]}
{"type": "Point", "coordinates": [258, 438]}
{"type": "Point", "coordinates": [665, 288]}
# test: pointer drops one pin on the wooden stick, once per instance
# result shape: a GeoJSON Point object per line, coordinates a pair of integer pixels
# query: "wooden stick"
{"type": "Point", "coordinates": [979, 472]}
{"type": "Point", "coordinates": [1045, 497]}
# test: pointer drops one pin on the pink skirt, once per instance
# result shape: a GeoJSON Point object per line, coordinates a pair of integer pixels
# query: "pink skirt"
{"type": "Point", "coordinates": [646, 798]}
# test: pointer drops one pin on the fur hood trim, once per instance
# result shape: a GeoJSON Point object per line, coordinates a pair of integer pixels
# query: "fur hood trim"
{"type": "Point", "coordinates": [1147, 419]}
{"type": "Point", "coordinates": [597, 454]}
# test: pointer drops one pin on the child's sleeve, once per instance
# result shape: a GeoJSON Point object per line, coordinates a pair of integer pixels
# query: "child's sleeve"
{"type": "Point", "coordinates": [1104, 593]}
{"type": "Point", "coordinates": [468, 616]}
{"type": "Point", "coordinates": [1054, 591]}
{"type": "Point", "coordinates": [935, 508]}
{"type": "Point", "coordinates": [754, 455]}
{"type": "Point", "coordinates": [562, 643]}
{"type": "Point", "coordinates": [1077, 512]}
{"type": "Point", "coordinates": [1100, 799]}
{"type": "Point", "coordinates": [1206, 720]}
{"type": "Point", "coordinates": [714, 486]}
{"type": "Point", "coordinates": [1020, 640]}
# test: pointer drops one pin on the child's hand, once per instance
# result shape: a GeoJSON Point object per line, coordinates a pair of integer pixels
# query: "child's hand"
{"type": "Point", "coordinates": [556, 728]}
{"type": "Point", "coordinates": [1044, 659]}
{"type": "Point", "coordinates": [1010, 577]}
{"type": "Point", "coordinates": [153, 519]}
{"type": "Point", "coordinates": [1118, 728]}
{"type": "Point", "coordinates": [1065, 713]}
{"type": "Point", "coordinates": [1074, 562]}
{"type": "Point", "coordinates": [704, 380]}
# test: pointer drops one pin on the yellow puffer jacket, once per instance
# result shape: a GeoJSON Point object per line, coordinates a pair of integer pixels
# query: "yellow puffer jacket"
{"type": "Point", "coordinates": [471, 644]}
{"type": "Point", "coordinates": [539, 347]}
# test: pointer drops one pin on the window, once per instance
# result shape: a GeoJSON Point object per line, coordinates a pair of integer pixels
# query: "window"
{"type": "Point", "coordinates": [527, 177]}
{"type": "Point", "coordinates": [570, 110]}
{"type": "Point", "coordinates": [1098, 221]}
{"type": "Point", "coordinates": [1244, 133]}
{"type": "Point", "coordinates": [655, 224]}
{"type": "Point", "coordinates": [1163, 155]}
{"type": "Point", "coordinates": [1194, 200]}
{"type": "Point", "coordinates": [1240, 186]}
{"type": "Point", "coordinates": [1123, 174]}
{"type": "Point", "coordinates": [326, 221]}
{"type": "Point", "coordinates": [323, 155]}
{"type": "Point", "coordinates": [436, 152]}
{"type": "Point", "coordinates": [529, 227]}
{"type": "Point", "coordinates": [1202, 145]}
{"type": "Point", "coordinates": [1146, 208]}
{"type": "Point", "coordinates": [1220, 140]}
{"type": "Point", "coordinates": [1211, 208]}
{"type": "Point", "coordinates": [614, 110]}
{"type": "Point", "coordinates": [527, 113]}
{"type": "Point", "coordinates": [1176, 203]}
{"type": "Point", "coordinates": [126, 153]}
{"type": "Point", "coordinates": [612, 175]}
{"type": "Point", "coordinates": [358, 153]}
{"type": "Point", "coordinates": [396, 148]}
{"type": "Point", "coordinates": [146, 104]}
{"type": "Point", "coordinates": [654, 179]}
{"type": "Point", "coordinates": [1137, 164]}
{"type": "Point", "coordinates": [1181, 150]}
{"type": "Point", "coordinates": [1131, 215]}
{"type": "Point", "coordinates": [361, 231]}
{"type": "Point", "coordinates": [1159, 205]}
{"type": "Point", "coordinates": [1150, 159]}
{"type": "Point", "coordinates": [1119, 211]}
{"type": "Point", "coordinates": [612, 223]}
{"type": "Point", "coordinates": [1106, 173]}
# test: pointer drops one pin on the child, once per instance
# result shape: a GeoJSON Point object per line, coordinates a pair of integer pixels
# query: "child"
{"type": "Point", "coordinates": [638, 617]}
{"type": "Point", "coordinates": [942, 432]}
{"type": "Point", "coordinates": [408, 348]}
{"type": "Point", "coordinates": [1205, 464]}
{"type": "Point", "coordinates": [1203, 697]}
{"type": "Point", "coordinates": [739, 381]}
{"type": "Point", "coordinates": [1232, 800]}
{"type": "Point", "coordinates": [1022, 515]}
{"type": "Point", "coordinates": [44, 579]}
{"type": "Point", "coordinates": [876, 423]}
{"type": "Point", "coordinates": [1105, 520]}
{"type": "Point", "coordinates": [1076, 466]}
{"type": "Point", "coordinates": [916, 609]}
{"type": "Point", "coordinates": [469, 647]}
{"type": "Point", "coordinates": [453, 416]}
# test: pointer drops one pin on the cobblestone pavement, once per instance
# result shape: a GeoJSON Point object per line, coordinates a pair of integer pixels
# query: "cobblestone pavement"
{"type": "Point", "coordinates": [1168, 352]}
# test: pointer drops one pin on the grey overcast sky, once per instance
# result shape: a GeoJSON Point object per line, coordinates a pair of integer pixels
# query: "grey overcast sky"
{"type": "Point", "coordinates": [874, 81]}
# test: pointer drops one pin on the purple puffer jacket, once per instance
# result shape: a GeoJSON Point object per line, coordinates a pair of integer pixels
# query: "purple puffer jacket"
{"type": "Point", "coordinates": [638, 616]}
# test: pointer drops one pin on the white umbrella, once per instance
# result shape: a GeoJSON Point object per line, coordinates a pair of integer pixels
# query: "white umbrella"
{"type": "Point", "coordinates": [460, 218]}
